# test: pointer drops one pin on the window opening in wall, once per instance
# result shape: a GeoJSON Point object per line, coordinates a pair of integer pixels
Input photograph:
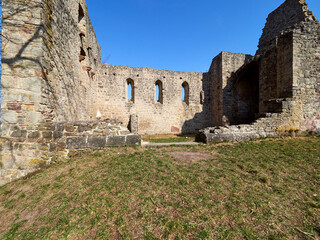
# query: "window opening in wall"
{"type": "Point", "coordinates": [159, 92]}
{"type": "Point", "coordinates": [81, 13]}
{"type": "Point", "coordinates": [202, 97]}
{"type": "Point", "coordinates": [130, 86]}
{"type": "Point", "coordinates": [82, 55]}
{"type": "Point", "coordinates": [185, 92]}
{"type": "Point", "coordinates": [81, 22]}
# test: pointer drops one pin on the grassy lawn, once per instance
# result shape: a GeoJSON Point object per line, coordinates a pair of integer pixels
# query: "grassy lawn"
{"type": "Point", "coordinates": [169, 138]}
{"type": "Point", "coordinates": [268, 189]}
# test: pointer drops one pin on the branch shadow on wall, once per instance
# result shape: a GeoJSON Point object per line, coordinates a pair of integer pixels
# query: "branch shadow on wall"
{"type": "Point", "coordinates": [57, 59]}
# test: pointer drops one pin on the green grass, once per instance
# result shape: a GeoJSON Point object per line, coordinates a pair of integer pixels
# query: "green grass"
{"type": "Point", "coordinates": [267, 189]}
{"type": "Point", "coordinates": [168, 138]}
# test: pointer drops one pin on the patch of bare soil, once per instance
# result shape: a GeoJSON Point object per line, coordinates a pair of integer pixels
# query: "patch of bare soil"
{"type": "Point", "coordinates": [191, 156]}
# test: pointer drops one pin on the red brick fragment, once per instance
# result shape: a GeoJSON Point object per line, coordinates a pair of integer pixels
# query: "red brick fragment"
{"type": "Point", "coordinates": [14, 106]}
{"type": "Point", "coordinates": [175, 129]}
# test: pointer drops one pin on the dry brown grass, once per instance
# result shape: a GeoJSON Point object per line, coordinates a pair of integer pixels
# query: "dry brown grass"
{"type": "Point", "coordinates": [255, 190]}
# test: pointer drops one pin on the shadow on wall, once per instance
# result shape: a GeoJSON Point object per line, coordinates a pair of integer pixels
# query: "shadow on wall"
{"type": "Point", "coordinates": [241, 96]}
{"type": "Point", "coordinates": [202, 119]}
{"type": "Point", "coordinates": [43, 33]}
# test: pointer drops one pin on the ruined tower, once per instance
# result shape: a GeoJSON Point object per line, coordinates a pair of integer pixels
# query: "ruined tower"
{"type": "Point", "coordinates": [277, 90]}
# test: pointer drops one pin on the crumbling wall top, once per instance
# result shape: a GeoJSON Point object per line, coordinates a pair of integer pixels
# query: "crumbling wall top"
{"type": "Point", "coordinates": [287, 15]}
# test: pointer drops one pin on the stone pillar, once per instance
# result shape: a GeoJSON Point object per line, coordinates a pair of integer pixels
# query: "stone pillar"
{"type": "Point", "coordinates": [134, 123]}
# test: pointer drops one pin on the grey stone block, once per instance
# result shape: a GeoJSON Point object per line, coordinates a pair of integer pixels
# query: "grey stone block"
{"type": "Point", "coordinates": [60, 127]}
{"type": "Point", "coordinates": [47, 134]}
{"type": "Point", "coordinates": [133, 140]}
{"type": "Point", "coordinates": [76, 142]}
{"type": "Point", "coordinates": [34, 134]}
{"type": "Point", "coordinates": [19, 133]}
{"type": "Point", "coordinates": [9, 116]}
{"type": "Point", "coordinates": [97, 142]}
{"type": "Point", "coordinates": [57, 134]}
{"type": "Point", "coordinates": [83, 128]}
{"type": "Point", "coordinates": [52, 147]}
{"type": "Point", "coordinates": [116, 141]}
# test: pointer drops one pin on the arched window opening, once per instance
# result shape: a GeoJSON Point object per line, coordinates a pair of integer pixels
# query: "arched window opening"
{"type": "Point", "coordinates": [130, 90]}
{"type": "Point", "coordinates": [159, 92]}
{"type": "Point", "coordinates": [185, 92]}
{"type": "Point", "coordinates": [82, 55]}
{"type": "Point", "coordinates": [80, 14]}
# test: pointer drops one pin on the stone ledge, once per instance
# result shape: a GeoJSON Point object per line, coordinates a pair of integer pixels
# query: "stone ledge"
{"type": "Point", "coordinates": [230, 137]}
{"type": "Point", "coordinates": [83, 142]}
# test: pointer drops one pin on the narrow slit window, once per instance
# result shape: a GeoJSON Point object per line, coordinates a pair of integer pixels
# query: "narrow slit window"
{"type": "Point", "coordinates": [130, 86]}
{"type": "Point", "coordinates": [185, 93]}
{"type": "Point", "coordinates": [82, 55]}
{"type": "Point", "coordinates": [80, 14]}
{"type": "Point", "coordinates": [159, 92]}
{"type": "Point", "coordinates": [202, 97]}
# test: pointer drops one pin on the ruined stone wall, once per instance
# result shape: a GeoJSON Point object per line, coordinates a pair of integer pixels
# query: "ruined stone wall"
{"type": "Point", "coordinates": [52, 78]}
{"type": "Point", "coordinates": [231, 62]}
{"type": "Point", "coordinates": [171, 115]}
{"type": "Point", "coordinates": [285, 16]}
{"type": "Point", "coordinates": [276, 47]}
{"type": "Point", "coordinates": [21, 85]}
{"type": "Point", "coordinates": [43, 78]}
{"type": "Point", "coordinates": [306, 75]}
{"type": "Point", "coordinates": [276, 74]}
{"type": "Point", "coordinates": [49, 58]}
{"type": "Point", "coordinates": [215, 75]}
{"type": "Point", "coordinates": [289, 78]}
{"type": "Point", "coordinates": [71, 59]}
{"type": "Point", "coordinates": [223, 102]}
{"type": "Point", "coordinates": [22, 55]}
{"type": "Point", "coordinates": [40, 144]}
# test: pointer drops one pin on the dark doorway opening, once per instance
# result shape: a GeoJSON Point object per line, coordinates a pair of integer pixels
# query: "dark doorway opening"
{"type": "Point", "coordinates": [247, 94]}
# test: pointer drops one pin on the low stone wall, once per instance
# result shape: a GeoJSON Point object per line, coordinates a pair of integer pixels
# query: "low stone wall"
{"type": "Point", "coordinates": [236, 133]}
{"type": "Point", "coordinates": [273, 125]}
{"type": "Point", "coordinates": [31, 148]}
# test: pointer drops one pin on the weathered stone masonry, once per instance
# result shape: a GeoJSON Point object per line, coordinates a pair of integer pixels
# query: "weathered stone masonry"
{"type": "Point", "coordinates": [50, 57]}
{"type": "Point", "coordinates": [57, 96]}
{"type": "Point", "coordinates": [169, 115]}
{"type": "Point", "coordinates": [277, 90]}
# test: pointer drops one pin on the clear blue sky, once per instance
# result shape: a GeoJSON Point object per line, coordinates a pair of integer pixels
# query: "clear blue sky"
{"type": "Point", "coordinates": [181, 35]}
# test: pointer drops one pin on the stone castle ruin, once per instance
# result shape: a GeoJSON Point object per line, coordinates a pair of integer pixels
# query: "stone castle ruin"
{"type": "Point", "coordinates": [56, 96]}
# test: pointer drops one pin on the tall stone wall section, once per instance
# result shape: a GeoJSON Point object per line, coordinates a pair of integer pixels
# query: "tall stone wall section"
{"type": "Point", "coordinates": [22, 57]}
{"type": "Point", "coordinates": [215, 75]}
{"type": "Point", "coordinates": [43, 78]}
{"type": "Point", "coordinates": [71, 60]}
{"type": "Point", "coordinates": [21, 85]}
{"type": "Point", "coordinates": [223, 101]}
{"type": "Point", "coordinates": [306, 76]}
{"type": "Point", "coordinates": [289, 76]}
{"type": "Point", "coordinates": [276, 74]}
{"type": "Point", "coordinates": [171, 115]}
{"type": "Point", "coordinates": [50, 57]}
